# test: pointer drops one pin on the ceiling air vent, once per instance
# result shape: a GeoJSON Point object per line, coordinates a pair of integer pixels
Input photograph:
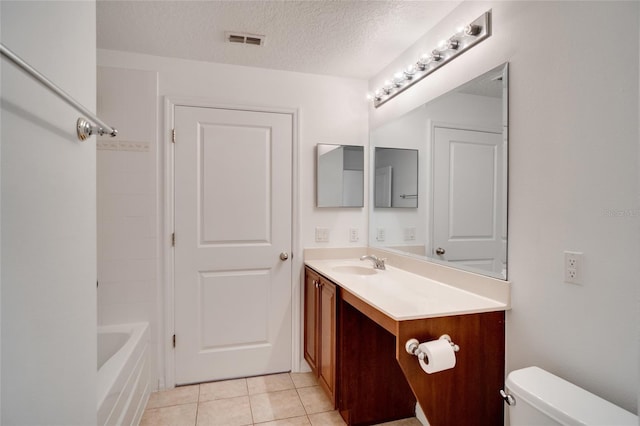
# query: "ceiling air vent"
{"type": "Point", "coordinates": [244, 38]}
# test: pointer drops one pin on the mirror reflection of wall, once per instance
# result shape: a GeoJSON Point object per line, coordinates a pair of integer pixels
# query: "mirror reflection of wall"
{"type": "Point", "coordinates": [461, 138]}
{"type": "Point", "coordinates": [340, 176]}
{"type": "Point", "coordinates": [396, 177]}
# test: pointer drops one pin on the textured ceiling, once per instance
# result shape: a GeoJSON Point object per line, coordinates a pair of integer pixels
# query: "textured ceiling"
{"type": "Point", "coordinates": [343, 38]}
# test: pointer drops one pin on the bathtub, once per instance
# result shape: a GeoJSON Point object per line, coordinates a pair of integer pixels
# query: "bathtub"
{"type": "Point", "coordinates": [123, 373]}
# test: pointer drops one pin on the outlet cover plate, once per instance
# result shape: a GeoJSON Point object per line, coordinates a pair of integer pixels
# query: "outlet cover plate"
{"type": "Point", "coordinates": [573, 267]}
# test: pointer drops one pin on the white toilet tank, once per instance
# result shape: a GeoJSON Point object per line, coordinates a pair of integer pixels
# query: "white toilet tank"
{"type": "Point", "coordinates": [544, 399]}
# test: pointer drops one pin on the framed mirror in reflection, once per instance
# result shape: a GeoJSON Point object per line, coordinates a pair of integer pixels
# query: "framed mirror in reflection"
{"type": "Point", "coordinates": [340, 176]}
{"type": "Point", "coordinates": [396, 177]}
{"type": "Point", "coordinates": [461, 143]}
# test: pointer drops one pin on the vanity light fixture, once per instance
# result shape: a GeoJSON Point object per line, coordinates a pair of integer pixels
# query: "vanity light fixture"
{"type": "Point", "coordinates": [464, 39]}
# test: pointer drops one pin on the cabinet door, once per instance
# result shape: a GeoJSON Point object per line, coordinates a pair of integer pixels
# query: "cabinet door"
{"type": "Point", "coordinates": [311, 305]}
{"type": "Point", "coordinates": [327, 341]}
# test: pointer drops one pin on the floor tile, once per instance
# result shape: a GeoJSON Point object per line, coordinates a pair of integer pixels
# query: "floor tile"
{"type": "Point", "coordinates": [176, 415]}
{"type": "Point", "coordinates": [176, 396]}
{"type": "Point", "coordinates": [271, 383]}
{"type": "Point", "coordinates": [276, 405]}
{"type": "Point", "coordinates": [329, 418]}
{"type": "Point", "coordinates": [225, 412]}
{"type": "Point", "coordinates": [302, 380]}
{"type": "Point", "coordinates": [294, 421]}
{"type": "Point", "coordinates": [314, 400]}
{"type": "Point", "coordinates": [224, 389]}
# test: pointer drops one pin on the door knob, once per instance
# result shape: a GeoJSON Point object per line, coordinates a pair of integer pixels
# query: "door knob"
{"type": "Point", "coordinates": [284, 256]}
{"type": "Point", "coordinates": [440, 251]}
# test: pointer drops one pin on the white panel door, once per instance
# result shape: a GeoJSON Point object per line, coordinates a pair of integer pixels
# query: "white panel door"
{"type": "Point", "coordinates": [467, 219]}
{"type": "Point", "coordinates": [383, 184]}
{"type": "Point", "coordinates": [232, 222]}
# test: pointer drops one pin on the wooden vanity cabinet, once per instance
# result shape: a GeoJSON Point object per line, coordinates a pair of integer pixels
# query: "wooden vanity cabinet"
{"type": "Point", "coordinates": [320, 314]}
{"type": "Point", "coordinates": [358, 354]}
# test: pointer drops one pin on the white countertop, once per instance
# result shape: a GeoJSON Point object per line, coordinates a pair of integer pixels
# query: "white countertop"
{"type": "Point", "coordinates": [402, 295]}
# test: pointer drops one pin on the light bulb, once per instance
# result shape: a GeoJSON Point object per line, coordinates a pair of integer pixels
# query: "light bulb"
{"type": "Point", "coordinates": [453, 44]}
{"type": "Point", "coordinates": [410, 71]}
{"type": "Point", "coordinates": [448, 44]}
{"type": "Point", "coordinates": [398, 78]}
{"type": "Point", "coordinates": [423, 61]}
{"type": "Point", "coordinates": [472, 30]}
{"type": "Point", "coordinates": [387, 86]}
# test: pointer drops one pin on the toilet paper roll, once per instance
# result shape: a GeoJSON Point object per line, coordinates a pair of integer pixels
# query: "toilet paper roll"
{"type": "Point", "coordinates": [439, 356]}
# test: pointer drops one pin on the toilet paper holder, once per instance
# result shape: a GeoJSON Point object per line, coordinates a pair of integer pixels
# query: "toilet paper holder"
{"type": "Point", "coordinates": [412, 346]}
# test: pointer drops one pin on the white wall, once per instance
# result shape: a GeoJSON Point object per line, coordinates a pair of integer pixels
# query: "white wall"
{"type": "Point", "coordinates": [573, 160]}
{"type": "Point", "coordinates": [331, 110]}
{"type": "Point", "coordinates": [48, 218]}
{"type": "Point", "coordinates": [127, 186]}
{"type": "Point", "coordinates": [409, 132]}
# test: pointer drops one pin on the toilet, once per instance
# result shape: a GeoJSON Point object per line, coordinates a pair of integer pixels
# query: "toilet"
{"type": "Point", "coordinates": [537, 397]}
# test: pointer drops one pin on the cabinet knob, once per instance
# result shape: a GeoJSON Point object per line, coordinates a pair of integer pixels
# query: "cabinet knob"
{"type": "Point", "coordinates": [284, 256]}
{"type": "Point", "coordinates": [440, 251]}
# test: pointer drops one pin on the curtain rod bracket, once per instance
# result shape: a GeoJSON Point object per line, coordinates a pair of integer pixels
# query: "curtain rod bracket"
{"type": "Point", "coordinates": [85, 129]}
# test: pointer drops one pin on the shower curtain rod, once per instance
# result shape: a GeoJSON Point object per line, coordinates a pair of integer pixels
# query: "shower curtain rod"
{"type": "Point", "coordinates": [83, 127]}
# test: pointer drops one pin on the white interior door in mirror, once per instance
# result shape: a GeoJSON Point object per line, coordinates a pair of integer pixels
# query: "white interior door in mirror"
{"type": "Point", "coordinates": [467, 191]}
{"type": "Point", "coordinates": [382, 186]}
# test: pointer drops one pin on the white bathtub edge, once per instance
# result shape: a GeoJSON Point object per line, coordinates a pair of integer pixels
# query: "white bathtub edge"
{"type": "Point", "coordinates": [116, 370]}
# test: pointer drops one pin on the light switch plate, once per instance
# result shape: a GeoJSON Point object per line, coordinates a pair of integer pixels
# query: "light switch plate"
{"type": "Point", "coordinates": [410, 234]}
{"type": "Point", "coordinates": [380, 234]}
{"type": "Point", "coordinates": [322, 235]}
{"type": "Point", "coordinates": [354, 236]}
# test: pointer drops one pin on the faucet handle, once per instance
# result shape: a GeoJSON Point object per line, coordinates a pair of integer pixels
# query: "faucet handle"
{"type": "Point", "coordinates": [380, 263]}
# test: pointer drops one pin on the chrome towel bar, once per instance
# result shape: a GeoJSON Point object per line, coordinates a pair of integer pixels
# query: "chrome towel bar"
{"type": "Point", "coordinates": [83, 127]}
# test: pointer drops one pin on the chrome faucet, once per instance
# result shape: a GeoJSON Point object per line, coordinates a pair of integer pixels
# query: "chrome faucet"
{"type": "Point", "coordinates": [377, 263]}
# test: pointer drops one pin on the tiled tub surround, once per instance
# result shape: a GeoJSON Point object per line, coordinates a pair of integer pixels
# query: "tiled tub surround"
{"type": "Point", "coordinates": [279, 399]}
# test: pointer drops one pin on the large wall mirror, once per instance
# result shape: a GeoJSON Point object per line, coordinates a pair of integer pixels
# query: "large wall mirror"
{"type": "Point", "coordinates": [461, 143]}
{"type": "Point", "coordinates": [340, 176]}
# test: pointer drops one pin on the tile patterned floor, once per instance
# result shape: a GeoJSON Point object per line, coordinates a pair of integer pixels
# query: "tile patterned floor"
{"type": "Point", "coordinates": [275, 400]}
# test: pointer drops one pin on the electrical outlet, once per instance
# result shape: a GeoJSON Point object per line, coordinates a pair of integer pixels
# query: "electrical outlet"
{"type": "Point", "coordinates": [322, 235]}
{"type": "Point", "coordinates": [353, 235]}
{"type": "Point", "coordinates": [380, 234]}
{"type": "Point", "coordinates": [572, 267]}
{"type": "Point", "coordinates": [410, 234]}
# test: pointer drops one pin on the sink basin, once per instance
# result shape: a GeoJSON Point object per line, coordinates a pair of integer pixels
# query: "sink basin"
{"type": "Point", "coordinates": [355, 270]}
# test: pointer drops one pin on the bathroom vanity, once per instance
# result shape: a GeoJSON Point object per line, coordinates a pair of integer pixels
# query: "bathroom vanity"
{"type": "Point", "coordinates": [357, 321]}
